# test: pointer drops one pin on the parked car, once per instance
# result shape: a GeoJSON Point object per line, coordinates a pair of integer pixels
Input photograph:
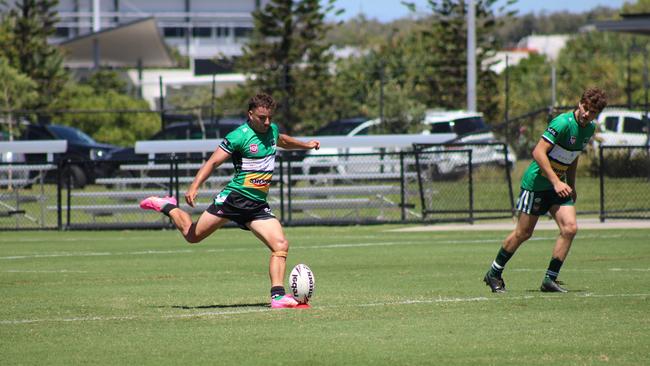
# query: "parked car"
{"type": "Point", "coordinates": [83, 151]}
{"type": "Point", "coordinates": [469, 128]}
{"type": "Point", "coordinates": [328, 159]}
{"type": "Point", "coordinates": [621, 127]}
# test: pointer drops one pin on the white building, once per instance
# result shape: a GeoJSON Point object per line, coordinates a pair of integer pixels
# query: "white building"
{"type": "Point", "coordinates": [548, 45]}
{"type": "Point", "coordinates": [200, 29]}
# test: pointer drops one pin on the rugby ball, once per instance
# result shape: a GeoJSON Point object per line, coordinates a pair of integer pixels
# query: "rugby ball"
{"type": "Point", "coordinates": [301, 282]}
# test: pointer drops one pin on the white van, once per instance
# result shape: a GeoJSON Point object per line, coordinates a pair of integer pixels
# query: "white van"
{"type": "Point", "coordinates": [621, 127]}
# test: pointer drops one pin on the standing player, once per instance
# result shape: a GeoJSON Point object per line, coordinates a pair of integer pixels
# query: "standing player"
{"type": "Point", "coordinates": [548, 185]}
{"type": "Point", "coordinates": [252, 147]}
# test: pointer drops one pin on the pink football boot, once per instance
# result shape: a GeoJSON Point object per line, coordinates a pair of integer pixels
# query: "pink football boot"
{"type": "Point", "coordinates": [286, 301]}
{"type": "Point", "coordinates": [156, 203]}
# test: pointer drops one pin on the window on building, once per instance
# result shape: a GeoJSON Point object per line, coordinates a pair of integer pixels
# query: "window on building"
{"type": "Point", "coordinates": [172, 32]}
{"type": "Point", "coordinates": [223, 32]}
{"type": "Point", "coordinates": [202, 32]}
{"type": "Point", "coordinates": [241, 32]}
{"type": "Point", "coordinates": [63, 32]}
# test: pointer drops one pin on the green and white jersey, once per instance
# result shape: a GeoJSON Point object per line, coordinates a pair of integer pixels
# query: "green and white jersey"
{"type": "Point", "coordinates": [253, 155]}
{"type": "Point", "coordinates": [568, 139]}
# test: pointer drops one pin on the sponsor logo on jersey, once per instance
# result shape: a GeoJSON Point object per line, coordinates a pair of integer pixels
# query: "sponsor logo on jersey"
{"type": "Point", "coordinates": [253, 148]}
{"type": "Point", "coordinates": [260, 181]}
{"type": "Point", "coordinates": [552, 131]}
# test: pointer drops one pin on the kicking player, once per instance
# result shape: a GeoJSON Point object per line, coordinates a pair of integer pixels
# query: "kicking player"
{"type": "Point", "coordinates": [548, 185]}
{"type": "Point", "coordinates": [252, 147]}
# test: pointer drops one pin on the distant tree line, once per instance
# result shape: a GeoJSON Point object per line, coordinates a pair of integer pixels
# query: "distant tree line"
{"type": "Point", "coordinates": [399, 69]}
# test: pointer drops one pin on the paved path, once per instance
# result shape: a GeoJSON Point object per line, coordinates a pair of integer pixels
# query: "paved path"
{"type": "Point", "coordinates": [543, 224]}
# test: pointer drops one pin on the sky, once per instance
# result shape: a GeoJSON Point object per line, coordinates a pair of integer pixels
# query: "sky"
{"type": "Point", "coordinates": [388, 10]}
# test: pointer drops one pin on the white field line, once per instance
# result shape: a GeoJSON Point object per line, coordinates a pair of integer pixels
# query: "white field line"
{"type": "Point", "coordinates": [42, 271]}
{"type": "Point", "coordinates": [323, 246]}
{"type": "Point", "coordinates": [582, 270]}
{"type": "Point", "coordinates": [55, 239]}
{"type": "Point", "coordinates": [209, 314]}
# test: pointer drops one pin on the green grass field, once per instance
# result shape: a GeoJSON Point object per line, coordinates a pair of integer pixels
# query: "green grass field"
{"type": "Point", "coordinates": [382, 298]}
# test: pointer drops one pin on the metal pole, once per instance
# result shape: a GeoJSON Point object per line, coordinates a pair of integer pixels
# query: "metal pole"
{"type": "Point", "coordinates": [282, 191]}
{"type": "Point", "coordinates": [645, 89]}
{"type": "Point", "coordinates": [96, 18]}
{"type": "Point", "coordinates": [96, 28]}
{"type": "Point", "coordinates": [212, 101]}
{"type": "Point", "coordinates": [402, 185]}
{"type": "Point", "coordinates": [162, 101]}
{"type": "Point", "coordinates": [59, 200]}
{"type": "Point", "coordinates": [381, 94]}
{"type": "Point", "coordinates": [140, 77]}
{"type": "Point", "coordinates": [471, 56]}
{"type": "Point", "coordinates": [507, 101]}
{"type": "Point", "coordinates": [628, 88]}
{"type": "Point", "coordinates": [601, 175]}
{"type": "Point", "coordinates": [471, 190]}
{"type": "Point", "coordinates": [289, 198]}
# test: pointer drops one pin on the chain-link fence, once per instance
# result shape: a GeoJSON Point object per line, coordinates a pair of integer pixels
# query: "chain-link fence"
{"type": "Point", "coordinates": [465, 181]}
{"type": "Point", "coordinates": [432, 183]}
{"type": "Point", "coordinates": [624, 182]}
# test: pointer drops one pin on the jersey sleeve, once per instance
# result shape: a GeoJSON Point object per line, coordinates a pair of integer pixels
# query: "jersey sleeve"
{"type": "Point", "coordinates": [555, 129]}
{"type": "Point", "coordinates": [231, 142]}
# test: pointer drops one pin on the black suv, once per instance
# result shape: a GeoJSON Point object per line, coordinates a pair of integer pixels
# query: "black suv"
{"type": "Point", "coordinates": [83, 151]}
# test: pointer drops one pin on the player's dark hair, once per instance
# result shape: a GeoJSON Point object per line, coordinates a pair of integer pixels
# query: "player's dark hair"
{"type": "Point", "coordinates": [261, 100]}
{"type": "Point", "coordinates": [594, 98]}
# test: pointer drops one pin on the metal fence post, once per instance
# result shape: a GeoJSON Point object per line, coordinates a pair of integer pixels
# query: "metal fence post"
{"type": "Point", "coordinates": [282, 190]}
{"type": "Point", "coordinates": [59, 199]}
{"type": "Point", "coordinates": [471, 190]}
{"type": "Point", "coordinates": [601, 174]}
{"type": "Point", "coordinates": [509, 179]}
{"type": "Point", "coordinates": [289, 190]}
{"type": "Point", "coordinates": [177, 179]}
{"type": "Point", "coordinates": [69, 193]}
{"type": "Point", "coordinates": [402, 185]}
{"type": "Point", "coordinates": [171, 174]}
{"type": "Point", "coordinates": [416, 151]}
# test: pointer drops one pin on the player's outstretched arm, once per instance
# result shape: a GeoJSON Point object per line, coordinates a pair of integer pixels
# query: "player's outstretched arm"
{"type": "Point", "coordinates": [218, 157]}
{"type": "Point", "coordinates": [288, 142]}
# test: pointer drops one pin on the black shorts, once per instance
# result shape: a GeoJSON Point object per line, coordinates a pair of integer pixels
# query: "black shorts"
{"type": "Point", "coordinates": [240, 209]}
{"type": "Point", "coordinates": [538, 203]}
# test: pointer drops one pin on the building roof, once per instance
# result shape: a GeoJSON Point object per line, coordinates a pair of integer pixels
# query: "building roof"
{"type": "Point", "coordinates": [631, 23]}
{"type": "Point", "coordinates": [121, 46]}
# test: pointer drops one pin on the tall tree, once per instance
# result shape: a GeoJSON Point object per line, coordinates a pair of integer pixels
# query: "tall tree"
{"type": "Point", "coordinates": [289, 58]}
{"type": "Point", "coordinates": [29, 23]}
{"type": "Point", "coordinates": [438, 53]}
{"type": "Point", "coordinates": [16, 90]}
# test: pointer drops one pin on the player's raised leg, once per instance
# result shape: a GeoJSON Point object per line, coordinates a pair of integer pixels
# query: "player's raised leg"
{"type": "Point", "coordinates": [270, 232]}
{"type": "Point", "coordinates": [522, 232]}
{"type": "Point", "coordinates": [192, 232]}
{"type": "Point", "coordinates": [565, 217]}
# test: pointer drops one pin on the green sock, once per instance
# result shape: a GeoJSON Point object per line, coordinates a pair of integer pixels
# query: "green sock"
{"type": "Point", "coordinates": [500, 262]}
